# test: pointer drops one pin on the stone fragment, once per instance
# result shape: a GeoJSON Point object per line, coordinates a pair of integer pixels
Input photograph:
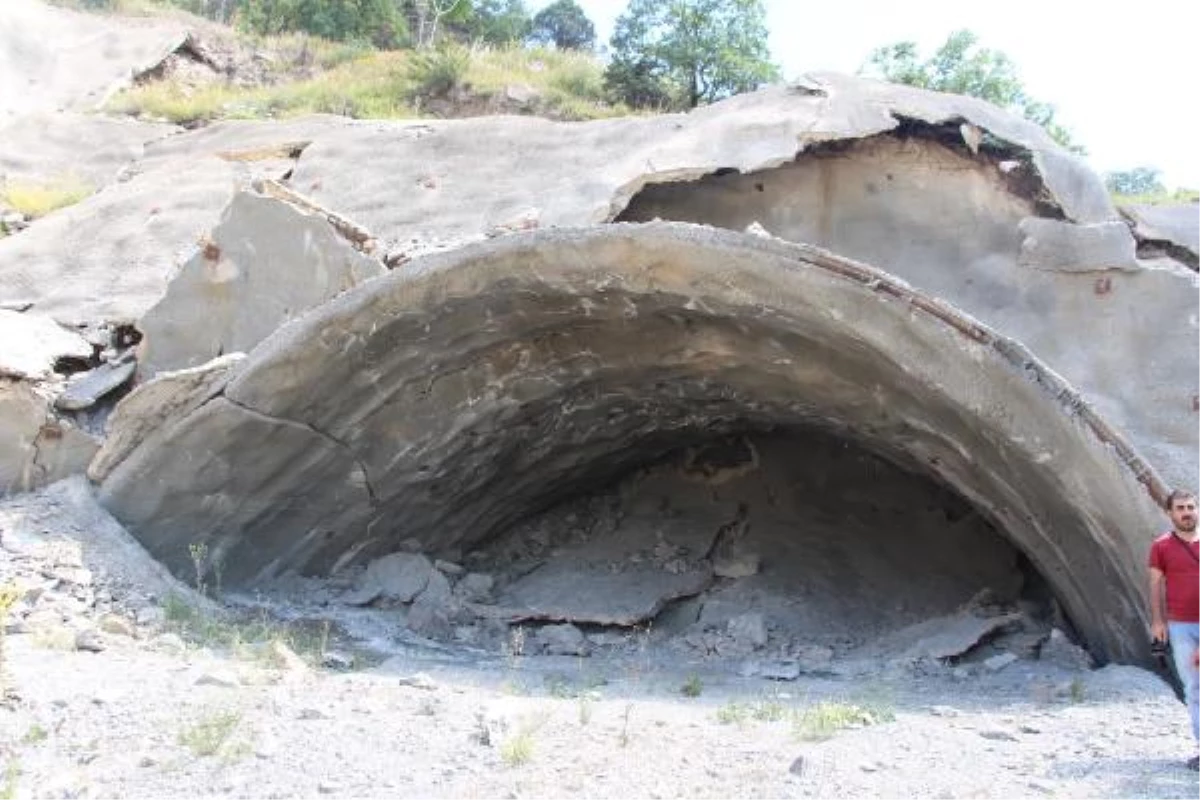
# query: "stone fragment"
{"type": "Point", "coordinates": [398, 576]}
{"type": "Point", "coordinates": [562, 640]}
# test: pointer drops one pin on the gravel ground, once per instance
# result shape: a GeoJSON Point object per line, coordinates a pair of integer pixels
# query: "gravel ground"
{"type": "Point", "coordinates": [119, 683]}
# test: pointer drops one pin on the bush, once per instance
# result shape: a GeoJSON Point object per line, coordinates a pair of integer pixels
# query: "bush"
{"type": "Point", "coordinates": [436, 73]}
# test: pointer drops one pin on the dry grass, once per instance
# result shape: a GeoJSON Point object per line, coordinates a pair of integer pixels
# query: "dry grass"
{"type": "Point", "coordinates": [364, 84]}
{"type": "Point", "coordinates": [38, 198]}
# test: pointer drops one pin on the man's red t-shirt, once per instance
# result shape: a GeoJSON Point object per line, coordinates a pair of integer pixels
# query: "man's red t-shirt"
{"type": "Point", "coordinates": [1170, 555]}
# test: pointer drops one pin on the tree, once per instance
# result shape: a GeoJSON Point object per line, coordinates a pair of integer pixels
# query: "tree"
{"type": "Point", "coordinates": [564, 25]}
{"type": "Point", "coordinates": [427, 16]}
{"type": "Point", "coordinates": [375, 21]}
{"type": "Point", "coordinates": [959, 67]}
{"type": "Point", "coordinates": [680, 53]}
{"type": "Point", "coordinates": [498, 21]}
{"type": "Point", "coordinates": [1140, 180]}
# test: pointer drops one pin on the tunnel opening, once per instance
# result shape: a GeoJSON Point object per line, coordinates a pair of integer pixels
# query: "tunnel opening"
{"type": "Point", "coordinates": [791, 544]}
{"type": "Point", "coordinates": [433, 413]}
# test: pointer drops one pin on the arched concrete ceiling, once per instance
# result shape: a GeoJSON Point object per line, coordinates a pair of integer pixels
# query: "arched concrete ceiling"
{"type": "Point", "coordinates": [447, 400]}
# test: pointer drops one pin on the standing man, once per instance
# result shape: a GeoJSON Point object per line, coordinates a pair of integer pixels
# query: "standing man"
{"type": "Point", "coordinates": [1175, 597]}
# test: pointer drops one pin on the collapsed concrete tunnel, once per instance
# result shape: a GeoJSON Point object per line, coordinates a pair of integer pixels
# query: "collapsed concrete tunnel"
{"type": "Point", "coordinates": [455, 401]}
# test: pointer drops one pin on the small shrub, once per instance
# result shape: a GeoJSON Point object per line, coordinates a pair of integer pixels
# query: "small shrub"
{"type": "Point", "coordinates": [36, 199]}
{"type": "Point", "coordinates": [692, 687]}
{"type": "Point", "coordinates": [826, 718]}
{"type": "Point", "coordinates": [436, 73]}
{"type": "Point", "coordinates": [35, 734]}
{"type": "Point", "coordinates": [768, 711]}
{"type": "Point", "coordinates": [1077, 690]}
{"type": "Point", "coordinates": [208, 736]}
{"type": "Point", "coordinates": [731, 714]}
{"type": "Point", "coordinates": [518, 748]}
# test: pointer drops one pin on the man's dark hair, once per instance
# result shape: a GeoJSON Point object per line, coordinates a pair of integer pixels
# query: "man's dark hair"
{"type": "Point", "coordinates": [1177, 494]}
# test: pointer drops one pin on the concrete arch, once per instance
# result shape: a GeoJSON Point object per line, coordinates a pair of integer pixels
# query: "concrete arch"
{"type": "Point", "coordinates": [449, 400]}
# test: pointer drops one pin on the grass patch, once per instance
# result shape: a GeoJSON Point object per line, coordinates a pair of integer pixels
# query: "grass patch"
{"type": "Point", "coordinates": [358, 82]}
{"type": "Point", "coordinates": [213, 735]}
{"type": "Point", "coordinates": [12, 771]}
{"type": "Point", "coordinates": [35, 735]}
{"type": "Point", "coordinates": [247, 637]}
{"type": "Point", "coordinates": [820, 722]}
{"type": "Point", "coordinates": [518, 749]}
{"type": "Point", "coordinates": [732, 714]}
{"type": "Point", "coordinates": [692, 687]}
{"type": "Point", "coordinates": [38, 198]}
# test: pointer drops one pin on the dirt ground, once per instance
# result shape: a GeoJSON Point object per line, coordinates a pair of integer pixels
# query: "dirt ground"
{"type": "Point", "coordinates": [122, 682]}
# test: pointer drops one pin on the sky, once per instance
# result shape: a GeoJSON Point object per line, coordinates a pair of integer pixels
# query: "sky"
{"type": "Point", "coordinates": [1123, 76]}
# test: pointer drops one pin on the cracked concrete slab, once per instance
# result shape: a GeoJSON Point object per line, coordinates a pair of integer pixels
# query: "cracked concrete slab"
{"type": "Point", "coordinates": [265, 263]}
{"type": "Point", "coordinates": [55, 58]}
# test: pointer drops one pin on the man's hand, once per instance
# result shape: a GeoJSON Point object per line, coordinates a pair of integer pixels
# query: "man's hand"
{"type": "Point", "coordinates": [1158, 631]}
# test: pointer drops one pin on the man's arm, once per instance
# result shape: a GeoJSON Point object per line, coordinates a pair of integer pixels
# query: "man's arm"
{"type": "Point", "coordinates": [1158, 605]}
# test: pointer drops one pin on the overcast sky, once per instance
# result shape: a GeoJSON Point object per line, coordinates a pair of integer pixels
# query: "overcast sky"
{"type": "Point", "coordinates": [1122, 75]}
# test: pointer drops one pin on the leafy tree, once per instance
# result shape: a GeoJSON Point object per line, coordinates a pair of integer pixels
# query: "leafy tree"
{"type": "Point", "coordinates": [427, 17]}
{"type": "Point", "coordinates": [564, 25]}
{"type": "Point", "coordinates": [498, 21]}
{"type": "Point", "coordinates": [959, 67]}
{"type": "Point", "coordinates": [376, 21]}
{"type": "Point", "coordinates": [1140, 180]}
{"type": "Point", "coordinates": [680, 53]}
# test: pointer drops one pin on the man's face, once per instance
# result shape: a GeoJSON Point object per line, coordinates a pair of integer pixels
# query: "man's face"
{"type": "Point", "coordinates": [1183, 514]}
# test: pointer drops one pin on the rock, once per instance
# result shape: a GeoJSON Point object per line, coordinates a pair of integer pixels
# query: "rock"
{"type": "Point", "coordinates": [437, 592]}
{"type": "Point", "coordinates": [328, 787]}
{"type": "Point", "coordinates": [266, 262]}
{"type": "Point", "coordinates": [562, 640]}
{"type": "Point", "coordinates": [475, 587]}
{"type": "Point", "coordinates": [89, 640]}
{"type": "Point", "coordinates": [118, 625]}
{"type": "Point", "coordinates": [335, 659]}
{"type": "Point", "coordinates": [777, 670]}
{"type": "Point", "coordinates": [449, 568]}
{"type": "Point", "coordinates": [78, 576]}
{"type": "Point", "coordinates": [943, 637]}
{"type": "Point", "coordinates": [431, 610]}
{"type": "Point", "coordinates": [999, 662]}
{"type": "Point", "coordinates": [399, 576]}
{"type": "Point", "coordinates": [998, 735]}
{"type": "Point", "coordinates": [218, 677]}
{"type": "Point", "coordinates": [85, 390]}
{"type": "Point", "coordinates": [797, 767]}
{"type": "Point", "coordinates": [418, 680]}
{"type": "Point", "coordinates": [748, 629]}
{"type": "Point", "coordinates": [1062, 652]}
{"type": "Point", "coordinates": [736, 565]}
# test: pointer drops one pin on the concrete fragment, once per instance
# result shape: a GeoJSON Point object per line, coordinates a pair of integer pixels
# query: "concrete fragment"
{"type": "Point", "coordinates": [398, 576]}
{"type": "Point", "coordinates": [146, 413]}
{"type": "Point", "coordinates": [85, 390]}
{"type": "Point", "coordinates": [30, 344]}
{"type": "Point", "coordinates": [266, 262]}
{"type": "Point", "coordinates": [36, 447]}
{"type": "Point", "coordinates": [999, 662]}
{"type": "Point", "coordinates": [943, 637]}
{"type": "Point", "coordinates": [1067, 247]}
{"type": "Point", "coordinates": [1058, 649]}
{"type": "Point", "coordinates": [475, 587]}
{"type": "Point", "coordinates": [748, 629]}
{"type": "Point", "coordinates": [562, 640]}
{"type": "Point", "coordinates": [736, 565]}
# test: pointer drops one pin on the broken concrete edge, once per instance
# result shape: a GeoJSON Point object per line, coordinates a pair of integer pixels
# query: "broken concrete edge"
{"type": "Point", "coordinates": [137, 74]}
{"type": "Point", "coordinates": [1146, 235]}
{"type": "Point", "coordinates": [358, 236]}
{"type": "Point", "coordinates": [1065, 187]}
{"type": "Point", "coordinates": [1017, 355]}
